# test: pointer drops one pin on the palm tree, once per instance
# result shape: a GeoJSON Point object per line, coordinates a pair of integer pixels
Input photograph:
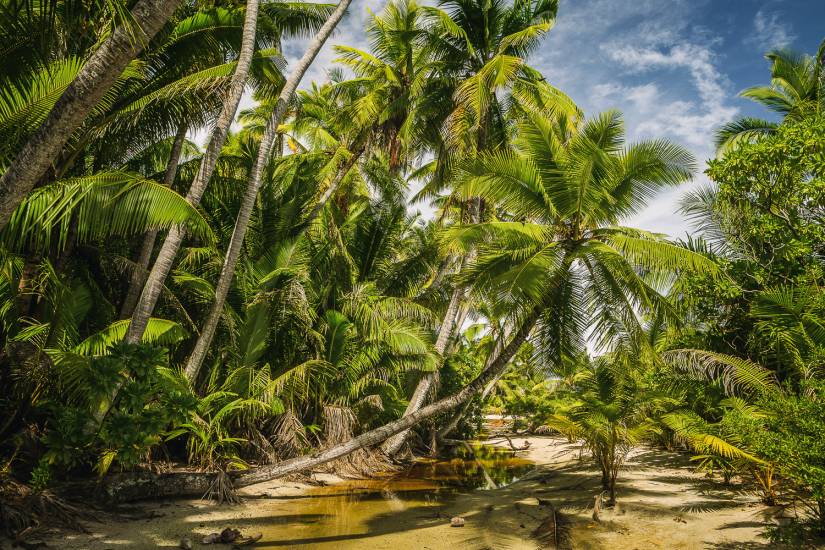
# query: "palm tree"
{"type": "Point", "coordinates": [166, 256]}
{"type": "Point", "coordinates": [479, 49]}
{"type": "Point", "coordinates": [152, 287]}
{"type": "Point", "coordinates": [797, 90]}
{"type": "Point", "coordinates": [613, 411]}
{"type": "Point", "coordinates": [81, 96]}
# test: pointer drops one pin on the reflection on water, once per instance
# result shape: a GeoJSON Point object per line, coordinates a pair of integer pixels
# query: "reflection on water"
{"type": "Point", "coordinates": [483, 466]}
{"type": "Point", "coordinates": [384, 512]}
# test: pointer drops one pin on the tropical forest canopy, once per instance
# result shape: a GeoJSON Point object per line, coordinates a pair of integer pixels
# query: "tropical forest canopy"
{"type": "Point", "coordinates": [238, 305]}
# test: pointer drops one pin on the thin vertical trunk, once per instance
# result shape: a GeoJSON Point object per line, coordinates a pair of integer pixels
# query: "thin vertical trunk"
{"type": "Point", "coordinates": [145, 255]}
{"type": "Point", "coordinates": [448, 325]}
{"type": "Point", "coordinates": [253, 185]}
{"type": "Point", "coordinates": [425, 385]}
{"type": "Point", "coordinates": [96, 77]}
{"type": "Point", "coordinates": [166, 256]}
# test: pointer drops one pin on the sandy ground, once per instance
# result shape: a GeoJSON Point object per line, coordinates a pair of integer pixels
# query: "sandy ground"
{"type": "Point", "coordinates": [662, 504]}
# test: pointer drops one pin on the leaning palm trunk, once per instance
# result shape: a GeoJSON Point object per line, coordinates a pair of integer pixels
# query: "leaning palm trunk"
{"type": "Point", "coordinates": [253, 185]}
{"type": "Point", "coordinates": [149, 238]}
{"type": "Point", "coordinates": [163, 264]}
{"type": "Point", "coordinates": [452, 423]}
{"type": "Point", "coordinates": [156, 486]}
{"type": "Point", "coordinates": [85, 91]}
{"type": "Point", "coordinates": [330, 191]}
{"type": "Point", "coordinates": [428, 381]}
{"type": "Point", "coordinates": [373, 437]}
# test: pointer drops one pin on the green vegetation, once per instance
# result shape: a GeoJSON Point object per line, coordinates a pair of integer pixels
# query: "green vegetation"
{"type": "Point", "coordinates": [249, 307]}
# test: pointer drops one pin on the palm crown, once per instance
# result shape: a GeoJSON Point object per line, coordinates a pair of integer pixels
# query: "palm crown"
{"type": "Point", "coordinates": [555, 241]}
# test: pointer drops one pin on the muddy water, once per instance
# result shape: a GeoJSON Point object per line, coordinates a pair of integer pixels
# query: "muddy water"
{"type": "Point", "coordinates": [409, 509]}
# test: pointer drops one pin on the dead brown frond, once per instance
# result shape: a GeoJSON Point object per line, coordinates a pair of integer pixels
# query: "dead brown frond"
{"type": "Point", "coordinates": [23, 511]}
{"type": "Point", "coordinates": [288, 435]}
{"type": "Point", "coordinates": [340, 424]}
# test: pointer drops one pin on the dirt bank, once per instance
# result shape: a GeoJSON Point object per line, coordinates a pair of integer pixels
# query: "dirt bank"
{"type": "Point", "coordinates": [662, 504]}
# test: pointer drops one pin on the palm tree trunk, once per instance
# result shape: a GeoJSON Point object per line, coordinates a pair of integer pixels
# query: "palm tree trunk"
{"type": "Point", "coordinates": [422, 390]}
{"type": "Point", "coordinates": [95, 79]}
{"type": "Point", "coordinates": [330, 191]}
{"type": "Point", "coordinates": [149, 238]}
{"type": "Point", "coordinates": [373, 437]}
{"type": "Point", "coordinates": [253, 185]}
{"type": "Point", "coordinates": [451, 424]}
{"type": "Point", "coordinates": [163, 264]}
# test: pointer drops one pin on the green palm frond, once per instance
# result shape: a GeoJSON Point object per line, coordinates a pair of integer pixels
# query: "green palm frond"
{"type": "Point", "coordinates": [158, 331]}
{"type": "Point", "coordinates": [735, 373]}
{"type": "Point", "coordinates": [99, 206]}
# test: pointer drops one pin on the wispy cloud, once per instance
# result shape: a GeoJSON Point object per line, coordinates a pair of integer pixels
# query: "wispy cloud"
{"type": "Point", "coordinates": [350, 31]}
{"type": "Point", "coordinates": [689, 120]}
{"type": "Point", "coordinates": [770, 31]}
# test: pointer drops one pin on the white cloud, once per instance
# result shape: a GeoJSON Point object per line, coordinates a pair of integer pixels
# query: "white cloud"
{"type": "Point", "coordinates": [689, 120]}
{"type": "Point", "coordinates": [769, 31]}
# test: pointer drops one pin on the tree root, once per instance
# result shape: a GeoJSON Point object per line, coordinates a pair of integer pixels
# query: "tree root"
{"type": "Point", "coordinates": [222, 490]}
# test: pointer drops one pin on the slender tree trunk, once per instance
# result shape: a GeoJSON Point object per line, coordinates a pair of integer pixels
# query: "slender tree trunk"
{"type": "Point", "coordinates": [166, 256]}
{"type": "Point", "coordinates": [422, 390]}
{"type": "Point", "coordinates": [145, 255]}
{"type": "Point", "coordinates": [96, 77]}
{"type": "Point", "coordinates": [253, 185]}
{"type": "Point", "coordinates": [452, 424]}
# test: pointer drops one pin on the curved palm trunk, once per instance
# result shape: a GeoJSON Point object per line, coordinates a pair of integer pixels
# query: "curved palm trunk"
{"type": "Point", "coordinates": [428, 381]}
{"type": "Point", "coordinates": [145, 255]}
{"type": "Point", "coordinates": [87, 89]}
{"type": "Point", "coordinates": [373, 437]}
{"type": "Point", "coordinates": [453, 318]}
{"type": "Point", "coordinates": [166, 255]}
{"type": "Point", "coordinates": [253, 185]}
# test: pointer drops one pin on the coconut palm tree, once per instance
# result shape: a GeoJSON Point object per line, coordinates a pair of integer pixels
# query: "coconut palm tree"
{"type": "Point", "coordinates": [797, 90]}
{"type": "Point", "coordinates": [166, 255]}
{"type": "Point", "coordinates": [151, 290]}
{"type": "Point", "coordinates": [80, 97]}
{"type": "Point", "coordinates": [479, 51]}
{"type": "Point", "coordinates": [613, 411]}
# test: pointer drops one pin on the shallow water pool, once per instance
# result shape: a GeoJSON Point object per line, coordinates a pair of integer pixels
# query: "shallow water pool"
{"type": "Point", "coordinates": [405, 509]}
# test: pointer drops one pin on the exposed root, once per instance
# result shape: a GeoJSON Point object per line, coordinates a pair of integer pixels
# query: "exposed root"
{"type": "Point", "coordinates": [222, 491]}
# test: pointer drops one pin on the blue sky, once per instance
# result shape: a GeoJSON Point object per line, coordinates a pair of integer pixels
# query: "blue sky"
{"type": "Point", "coordinates": [674, 67]}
